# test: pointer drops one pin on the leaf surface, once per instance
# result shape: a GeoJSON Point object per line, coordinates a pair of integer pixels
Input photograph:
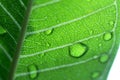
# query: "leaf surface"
{"type": "Point", "coordinates": [65, 39]}
{"type": "Point", "coordinates": [11, 18]}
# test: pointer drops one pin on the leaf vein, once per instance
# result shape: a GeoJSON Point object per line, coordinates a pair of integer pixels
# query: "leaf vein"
{"type": "Point", "coordinates": [45, 4]}
{"type": "Point", "coordinates": [6, 53]}
{"type": "Point", "coordinates": [59, 47]}
{"type": "Point", "coordinates": [22, 3]}
{"type": "Point", "coordinates": [10, 15]}
{"type": "Point", "coordinates": [114, 39]}
{"type": "Point", "coordinates": [71, 21]}
{"type": "Point", "coordinates": [58, 67]}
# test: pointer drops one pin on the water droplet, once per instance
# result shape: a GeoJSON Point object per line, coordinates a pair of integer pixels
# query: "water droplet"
{"type": "Point", "coordinates": [77, 50]}
{"type": "Point", "coordinates": [104, 58]}
{"type": "Point", "coordinates": [100, 45]}
{"type": "Point", "coordinates": [95, 74]}
{"type": "Point", "coordinates": [48, 44]}
{"type": "Point", "coordinates": [32, 69]}
{"type": "Point", "coordinates": [88, 0]}
{"type": "Point", "coordinates": [107, 36]}
{"type": "Point", "coordinates": [42, 55]}
{"type": "Point", "coordinates": [45, 24]}
{"type": "Point", "coordinates": [2, 31]}
{"type": "Point", "coordinates": [114, 11]}
{"type": "Point", "coordinates": [48, 32]}
{"type": "Point", "coordinates": [97, 39]}
{"type": "Point", "coordinates": [91, 32]}
{"type": "Point", "coordinates": [111, 23]}
{"type": "Point", "coordinates": [58, 21]}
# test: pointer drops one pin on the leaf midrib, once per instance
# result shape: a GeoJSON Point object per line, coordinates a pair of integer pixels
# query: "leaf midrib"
{"type": "Point", "coordinates": [20, 41]}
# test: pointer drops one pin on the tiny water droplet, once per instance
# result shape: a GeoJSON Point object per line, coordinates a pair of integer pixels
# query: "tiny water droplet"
{"type": "Point", "coordinates": [32, 69]}
{"type": "Point", "coordinates": [107, 36]}
{"type": "Point", "coordinates": [95, 74]}
{"type": "Point", "coordinates": [77, 50]}
{"type": "Point", "coordinates": [42, 55]}
{"type": "Point", "coordinates": [88, 0]}
{"type": "Point", "coordinates": [2, 31]}
{"type": "Point", "coordinates": [48, 44]}
{"type": "Point", "coordinates": [91, 32]}
{"type": "Point", "coordinates": [45, 24]}
{"type": "Point", "coordinates": [48, 32]}
{"type": "Point", "coordinates": [114, 11]}
{"type": "Point", "coordinates": [58, 21]}
{"type": "Point", "coordinates": [111, 23]}
{"type": "Point", "coordinates": [97, 39]}
{"type": "Point", "coordinates": [100, 45]}
{"type": "Point", "coordinates": [104, 58]}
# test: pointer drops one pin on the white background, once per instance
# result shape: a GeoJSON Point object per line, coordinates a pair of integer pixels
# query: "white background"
{"type": "Point", "coordinates": [115, 69]}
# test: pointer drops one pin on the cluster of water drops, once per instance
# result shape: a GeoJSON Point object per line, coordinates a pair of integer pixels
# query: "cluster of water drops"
{"type": "Point", "coordinates": [76, 50]}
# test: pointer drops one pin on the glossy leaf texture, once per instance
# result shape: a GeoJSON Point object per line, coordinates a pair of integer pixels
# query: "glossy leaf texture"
{"type": "Point", "coordinates": [11, 17]}
{"type": "Point", "coordinates": [65, 39]}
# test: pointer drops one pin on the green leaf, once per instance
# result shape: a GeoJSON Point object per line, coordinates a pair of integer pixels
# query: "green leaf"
{"type": "Point", "coordinates": [65, 39]}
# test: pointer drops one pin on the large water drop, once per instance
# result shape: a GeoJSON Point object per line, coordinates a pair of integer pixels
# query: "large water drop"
{"type": "Point", "coordinates": [32, 69]}
{"type": "Point", "coordinates": [95, 75]}
{"type": "Point", "coordinates": [48, 32]}
{"type": "Point", "coordinates": [104, 58]}
{"type": "Point", "coordinates": [107, 36]}
{"type": "Point", "coordinates": [77, 50]}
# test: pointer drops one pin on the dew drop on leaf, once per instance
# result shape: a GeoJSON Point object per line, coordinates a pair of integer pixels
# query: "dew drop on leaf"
{"type": "Point", "coordinates": [107, 36]}
{"type": "Point", "coordinates": [2, 31]}
{"type": "Point", "coordinates": [42, 55]}
{"type": "Point", "coordinates": [48, 44]}
{"type": "Point", "coordinates": [100, 45]}
{"type": "Point", "coordinates": [111, 23]}
{"type": "Point", "coordinates": [77, 50]}
{"type": "Point", "coordinates": [95, 75]}
{"type": "Point", "coordinates": [58, 21]}
{"type": "Point", "coordinates": [88, 0]}
{"type": "Point", "coordinates": [91, 32]}
{"type": "Point", "coordinates": [48, 32]}
{"type": "Point", "coordinates": [32, 69]}
{"type": "Point", "coordinates": [104, 58]}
